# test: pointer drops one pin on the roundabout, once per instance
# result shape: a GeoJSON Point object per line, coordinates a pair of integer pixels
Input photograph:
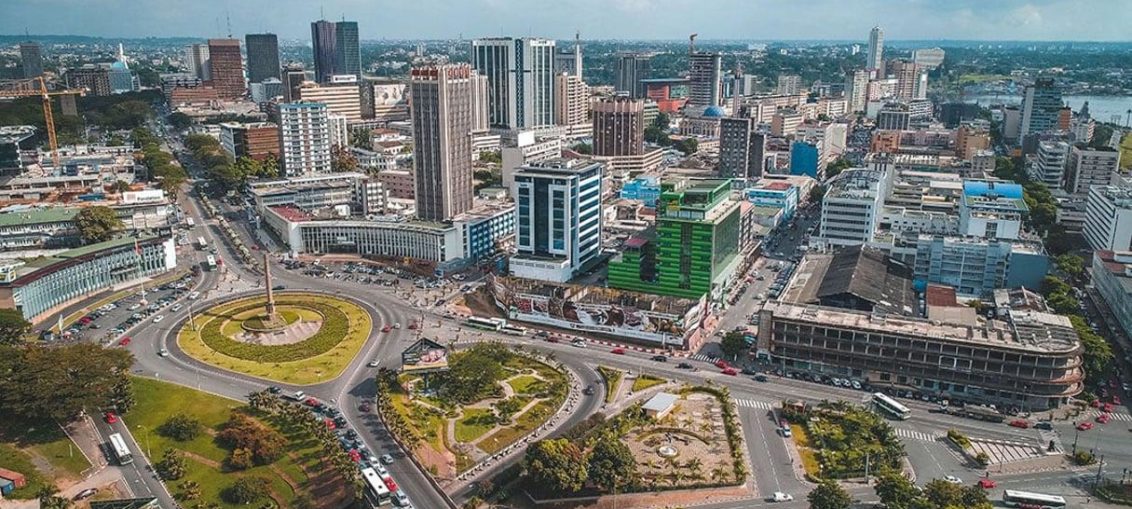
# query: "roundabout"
{"type": "Point", "coordinates": [297, 338]}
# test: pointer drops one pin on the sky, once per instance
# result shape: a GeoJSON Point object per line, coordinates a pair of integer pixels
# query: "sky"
{"type": "Point", "coordinates": [1093, 20]}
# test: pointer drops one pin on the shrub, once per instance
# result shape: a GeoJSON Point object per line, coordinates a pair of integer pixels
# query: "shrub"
{"type": "Point", "coordinates": [181, 428]}
{"type": "Point", "coordinates": [1084, 458]}
{"type": "Point", "coordinates": [982, 458]}
{"type": "Point", "coordinates": [265, 444]}
{"type": "Point", "coordinates": [958, 438]}
{"type": "Point", "coordinates": [247, 490]}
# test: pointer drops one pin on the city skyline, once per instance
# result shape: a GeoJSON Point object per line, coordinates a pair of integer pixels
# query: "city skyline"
{"type": "Point", "coordinates": [1013, 20]}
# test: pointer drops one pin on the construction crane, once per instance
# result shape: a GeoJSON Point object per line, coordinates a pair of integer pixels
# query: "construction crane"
{"type": "Point", "coordinates": [38, 87]}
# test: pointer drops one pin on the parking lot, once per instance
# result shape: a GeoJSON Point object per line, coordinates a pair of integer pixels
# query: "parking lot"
{"type": "Point", "coordinates": [111, 321]}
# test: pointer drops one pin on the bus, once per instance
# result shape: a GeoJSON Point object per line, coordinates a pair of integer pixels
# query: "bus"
{"type": "Point", "coordinates": [1029, 500]}
{"type": "Point", "coordinates": [121, 452]}
{"type": "Point", "coordinates": [190, 222]}
{"type": "Point", "coordinates": [513, 330]}
{"type": "Point", "coordinates": [375, 486]}
{"type": "Point", "coordinates": [494, 324]}
{"type": "Point", "coordinates": [211, 261]}
{"type": "Point", "coordinates": [201, 243]}
{"type": "Point", "coordinates": [891, 406]}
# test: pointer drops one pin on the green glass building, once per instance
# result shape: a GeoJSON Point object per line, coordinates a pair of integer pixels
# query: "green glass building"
{"type": "Point", "coordinates": [694, 249]}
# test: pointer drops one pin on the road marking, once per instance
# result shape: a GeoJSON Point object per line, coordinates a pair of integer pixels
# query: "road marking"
{"type": "Point", "coordinates": [704, 358]}
{"type": "Point", "coordinates": [916, 435]}
{"type": "Point", "coordinates": [750, 403]}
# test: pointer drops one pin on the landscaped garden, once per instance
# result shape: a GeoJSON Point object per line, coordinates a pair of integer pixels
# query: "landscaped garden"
{"type": "Point", "coordinates": [216, 452]}
{"type": "Point", "coordinates": [312, 338]}
{"type": "Point", "coordinates": [835, 439]}
{"type": "Point", "coordinates": [490, 397]}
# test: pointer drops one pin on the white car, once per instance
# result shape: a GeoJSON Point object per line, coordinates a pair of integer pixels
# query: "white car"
{"type": "Point", "coordinates": [782, 497]}
{"type": "Point", "coordinates": [578, 343]}
{"type": "Point", "coordinates": [387, 459]}
{"type": "Point", "coordinates": [158, 318]}
{"type": "Point", "coordinates": [953, 480]}
{"type": "Point", "coordinates": [176, 307]}
{"type": "Point", "coordinates": [163, 352]}
{"type": "Point", "coordinates": [194, 295]}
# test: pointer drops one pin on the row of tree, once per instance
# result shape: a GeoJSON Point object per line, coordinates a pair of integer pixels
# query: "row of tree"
{"type": "Point", "coordinates": [158, 162]}
{"type": "Point", "coordinates": [62, 383]}
{"type": "Point", "coordinates": [562, 466]}
{"type": "Point", "coordinates": [897, 492]}
{"type": "Point", "coordinates": [657, 133]}
{"type": "Point", "coordinates": [221, 168]}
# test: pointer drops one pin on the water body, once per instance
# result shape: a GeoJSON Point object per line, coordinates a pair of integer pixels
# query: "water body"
{"type": "Point", "coordinates": [1101, 107]}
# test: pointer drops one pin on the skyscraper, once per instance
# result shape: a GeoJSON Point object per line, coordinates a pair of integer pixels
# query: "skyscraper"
{"type": "Point", "coordinates": [31, 58]}
{"type": "Point", "coordinates": [570, 60]}
{"type": "Point", "coordinates": [740, 148]}
{"type": "Point", "coordinates": [857, 90]}
{"type": "Point", "coordinates": [1041, 104]}
{"type": "Point", "coordinates": [572, 104]}
{"type": "Point", "coordinates": [347, 56]}
{"type": "Point", "coordinates": [788, 84]}
{"type": "Point", "coordinates": [441, 107]}
{"type": "Point", "coordinates": [324, 42]}
{"type": "Point", "coordinates": [520, 77]}
{"type": "Point", "coordinates": [304, 138]}
{"type": "Point", "coordinates": [631, 69]}
{"type": "Point", "coordinates": [293, 77]}
{"type": "Point", "coordinates": [875, 59]}
{"type": "Point", "coordinates": [263, 57]}
{"type": "Point", "coordinates": [196, 56]}
{"type": "Point", "coordinates": [705, 80]}
{"type": "Point", "coordinates": [619, 127]}
{"type": "Point", "coordinates": [226, 65]}
{"type": "Point", "coordinates": [907, 76]}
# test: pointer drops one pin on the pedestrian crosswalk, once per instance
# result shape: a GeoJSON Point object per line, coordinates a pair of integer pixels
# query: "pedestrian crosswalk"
{"type": "Point", "coordinates": [915, 435]}
{"type": "Point", "coordinates": [704, 358]}
{"type": "Point", "coordinates": [1116, 416]}
{"type": "Point", "coordinates": [751, 403]}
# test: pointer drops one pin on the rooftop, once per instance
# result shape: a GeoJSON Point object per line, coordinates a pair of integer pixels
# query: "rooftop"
{"type": "Point", "coordinates": [37, 216]}
{"type": "Point", "coordinates": [862, 272]}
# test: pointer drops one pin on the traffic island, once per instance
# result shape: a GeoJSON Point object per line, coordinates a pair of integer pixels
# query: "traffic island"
{"type": "Point", "coordinates": [308, 338]}
{"type": "Point", "coordinates": [841, 441]}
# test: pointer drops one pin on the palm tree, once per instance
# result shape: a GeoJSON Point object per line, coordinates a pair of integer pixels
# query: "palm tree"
{"type": "Point", "coordinates": [696, 467]}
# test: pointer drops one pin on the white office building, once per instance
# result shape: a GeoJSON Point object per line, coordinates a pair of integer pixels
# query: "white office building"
{"type": "Point", "coordinates": [558, 219]}
{"type": "Point", "coordinates": [853, 205]}
{"type": "Point", "coordinates": [1108, 218]}
{"type": "Point", "coordinates": [1090, 167]}
{"type": "Point", "coordinates": [520, 78]}
{"type": "Point", "coordinates": [1049, 167]}
{"type": "Point", "coordinates": [304, 138]}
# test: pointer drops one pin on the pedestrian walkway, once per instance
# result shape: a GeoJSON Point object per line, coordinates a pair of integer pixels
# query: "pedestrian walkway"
{"type": "Point", "coordinates": [705, 358]}
{"type": "Point", "coordinates": [1005, 451]}
{"type": "Point", "coordinates": [750, 403]}
{"type": "Point", "coordinates": [916, 435]}
{"type": "Point", "coordinates": [1116, 416]}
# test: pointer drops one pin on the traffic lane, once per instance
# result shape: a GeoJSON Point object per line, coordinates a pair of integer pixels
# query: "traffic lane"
{"type": "Point", "coordinates": [771, 464]}
{"type": "Point", "coordinates": [933, 460]}
{"type": "Point", "coordinates": [139, 475]}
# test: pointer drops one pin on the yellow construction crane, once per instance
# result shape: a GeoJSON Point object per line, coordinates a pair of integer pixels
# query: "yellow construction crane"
{"type": "Point", "coordinates": [38, 87]}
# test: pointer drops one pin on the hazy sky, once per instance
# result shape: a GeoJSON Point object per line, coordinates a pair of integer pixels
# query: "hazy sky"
{"type": "Point", "coordinates": [1106, 20]}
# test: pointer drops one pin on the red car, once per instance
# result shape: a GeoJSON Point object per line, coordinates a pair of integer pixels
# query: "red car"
{"type": "Point", "coordinates": [1096, 403]}
{"type": "Point", "coordinates": [1108, 407]}
{"type": "Point", "coordinates": [311, 402]}
{"type": "Point", "coordinates": [355, 456]}
{"type": "Point", "coordinates": [722, 364]}
{"type": "Point", "coordinates": [1085, 426]}
{"type": "Point", "coordinates": [1103, 418]}
{"type": "Point", "coordinates": [390, 484]}
{"type": "Point", "coordinates": [618, 351]}
{"type": "Point", "coordinates": [1115, 399]}
{"type": "Point", "coordinates": [1020, 423]}
{"type": "Point", "coordinates": [987, 484]}
{"type": "Point", "coordinates": [110, 418]}
{"type": "Point", "coordinates": [124, 341]}
{"type": "Point", "coordinates": [730, 371]}
{"type": "Point", "coordinates": [387, 328]}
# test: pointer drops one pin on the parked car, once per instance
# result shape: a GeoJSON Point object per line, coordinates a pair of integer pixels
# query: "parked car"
{"type": "Point", "coordinates": [87, 493]}
{"type": "Point", "coordinates": [730, 372]}
{"type": "Point", "coordinates": [1043, 425]}
{"type": "Point", "coordinates": [953, 480]}
{"type": "Point", "coordinates": [124, 341]}
{"type": "Point", "coordinates": [1103, 418]}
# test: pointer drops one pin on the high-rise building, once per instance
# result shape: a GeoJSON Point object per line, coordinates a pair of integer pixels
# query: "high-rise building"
{"type": "Point", "coordinates": [572, 104]}
{"type": "Point", "coordinates": [1041, 104]}
{"type": "Point", "coordinates": [705, 80]}
{"type": "Point", "coordinates": [1091, 167]}
{"type": "Point", "coordinates": [263, 57]}
{"type": "Point", "coordinates": [340, 95]}
{"type": "Point", "coordinates": [928, 58]}
{"type": "Point", "coordinates": [95, 79]}
{"type": "Point", "coordinates": [226, 65]}
{"type": "Point", "coordinates": [196, 56]}
{"type": "Point", "coordinates": [788, 84]}
{"type": "Point", "coordinates": [852, 205]}
{"type": "Point", "coordinates": [256, 141]}
{"type": "Point", "coordinates": [569, 61]}
{"type": "Point", "coordinates": [520, 77]}
{"type": "Point", "coordinates": [31, 59]}
{"type": "Point", "coordinates": [1108, 218]}
{"type": "Point", "coordinates": [441, 104]}
{"type": "Point", "coordinates": [1049, 168]}
{"type": "Point", "coordinates": [481, 116]}
{"type": "Point", "coordinates": [970, 139]}
{"type": "Point", "coordinates": [875, 60]}
{"type": "Point", "coordinates": [293, 78]}
{"type": "Point", "coordinates": [907, 78]}
{"type": "Point", "coordinates": [631, 69]}
{"type": "Point", "coordinates": [558, 218]}
{"type": "Point", "coordinates": [741, 149]}
{"type": "Point", "coordinates": [894, 117]}
{"type": "Point", "coordinates": [304, 139]}
{"type": "Point", "coordinates": [324, 43]}
{"type": "Point", "coordinates": [619, 127]}
{"type": "Point", "coordinates": [857, 90]}
{"type": "Point", "coordinates": [347, 56]}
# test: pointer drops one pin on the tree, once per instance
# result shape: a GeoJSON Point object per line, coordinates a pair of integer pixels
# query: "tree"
{"type": "Point", "coordinates": [13, 327]}
{"type": "Point", "coordinates": [181, 428]}
{"type": "Point", "coordinates": [829, 495]}
{"type": "Point", "coordinates": [661, 121]}
{"type": "Point", "coordinates": [1071, 265]}
{"type": "Point", "coordinates": [895, 491]}
{"type": "Point", "coordinates": [244, 432]}
{"type": "Point", "coordinates": [60, 383]}
{"type": "Point", "coordinates": [342, 160]}
{"type": "Point", "coordinates": [49, 500]}
{"type": "Point", "coordinates": [837, 167]}
{"type": "Point", "coordinates": [241, 459]}
{"type": "Point", "coordinates": [555, 465]}
{"type": "Point", "coordinates": [247, 490]}
{"type": "Point", "coordinates": [817, 193]}
{"type": "Point", "coordinates": [97, 224]}
{"type": "Point", "coordinates": [491, 156]}
{"type": "Point", "coordinates": [119, 186]}
{"type": "Point", "coordinates": [172, 465]}
{"type": "Point", "coordinates": [190, 490]}
{"type": "Point", "coordinates": [733, 344]}
{"type": "Point", "coordinates": [611, 464]}
{"type": "Point", "coordinates": [583, 148]}
{"type": "Point", "coordinates": [473, 373]}
{"type": "Point", "coordinates": [944, 495]}
{"type": "Point", "coordinates": [180, 121]}
{"type": "Point", "coordinates": [688, 146]}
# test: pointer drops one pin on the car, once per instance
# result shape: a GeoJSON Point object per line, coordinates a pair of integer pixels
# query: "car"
{"type": "Point", "coordinates": [194, 296]}
{"type": "Point", "coordinates": [397, 325]}
{"type": "Point", "coordinates": [1115, 399]}
{"type": "Point", "coordinates": [124, 341]}
{"type": "Point", "coordinates": [364, 407]}
{"type": "Point", "coordinates": [1084, 426]}
{"type": "Point", "coordinates": [730, 372]}
{"type": "Point", "coordinates": [373, 363]}
{"type": "Point", "coordinates": [785, 431]}
{"type": "Point", "coordinates": [759, 378]}
{"type": "Point", "coordinates": [683, 365]}
{"type": "Point", "coordinates": [274, 389]}
{"type": "Point", "coordinates": [176, 308]}
{"type": "Point", "coordinates": [953, 480]}
{"type": "Point", "coordinates": [618, 351]}
{"type": "Point", "coordinates": [387, 328]}
{"type": "Point", "coordinates": [400, 499]}
{"type": "Point", "coordinates": [163, 352]}
{"type": "Point", "coordinates": [987, 484]}
{"type": "Point", "coordinates": [1104, 418]}
{"type": "Point", "coordinates": [779, 496]}
{"type": "Point", "coordinates": [386, 459]}
{"type": "Point", "coordinates": [158, 318]}
{"type": "Point", "coordinates": [1020, 423]}
{"type": "Point", "coordinates": [312, 402]}
{"type": "Point", "coordinates": [1044, 425]}
{"type": "Point", "coordinates": [578, 343]}
{"type": "Point", "coordinates": [588, 391]}
{"type": "Point", "coordinates": [660, 358]}
{"type": "Point", "coordinates": [84, 494]}
{"type": "Point", "coordinates": [110, 418]}
{"type": "Point", "coordinates": [277, 288]}
{"type": "Point", "coordinates": [721, 364]}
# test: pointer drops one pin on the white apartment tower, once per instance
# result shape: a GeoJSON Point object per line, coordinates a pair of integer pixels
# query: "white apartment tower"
{"type": "Point", "coordinates": [1108, 218]}
{"type": "Point", "coordinates": [520, 77]}
{"type": "Point", "coordinates": [875, 60]}
{"type": "Point", "coordinates": [304, 139]}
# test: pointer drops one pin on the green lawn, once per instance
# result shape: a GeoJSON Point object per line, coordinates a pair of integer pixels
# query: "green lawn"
{"type": "Point", "coordinates": [466, 430]}
{"type": "Point", "coordinates": [522, 383]}
{"type": "Point", "coordinates": [157, 401]}
{"type": "Point", "coordinates": [20, 442]}
{"type": "Point", "coordinates": [1126, 152]}
{"type": "Point", "coordinates": [645, 381]}
{"type": "Point", "coordinates": [612, 379]}
{"type": "Point", "coordinates": [13, 458]}
{"type": "Point", "coordinates": [524, 424]}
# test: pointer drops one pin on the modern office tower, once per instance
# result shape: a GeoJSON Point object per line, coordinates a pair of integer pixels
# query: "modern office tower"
{"type": "Point", "coordinates": [788, 84]}
{"type": "Point", "coordinates": [263, 57]}
{"type": "Point", "coordinates": [1049, 168]}
{"type": "Point", "coordinates": [619, 127]}
{"type": "Point", "coordinates": [928, 58]}
{"type": "Point", "coordinates": [1091, 167]}
{"type": "Point", "coordinates": [807, 157]}
{"type": "Point", "coordinates": [1041, 104]}
{"type": "Point", "coordinates": [558, 218]}
{"type": "Point", "coordinates": [851, 207]}
{"type": "Point", "coordinates": [481, 118]}
{"type": "Point", "coordinates": [741, 149]}
{"type": "Point", "coordinates": [894, 117]}
{"type": "Point", "coordinates": [226, 65]}
{"type": "Point", "coordinates": [572, 104]}
{"type": "Point", "coordinates": [631, 69]}
{"type": "Point", "coordinates": [857, 90]}
{"type": "Point", "coordinates": [697, 227]}
{"type": "Point", "coordinates": [920, 91]}
{"type": "Point", "coordinates": [347, 55]}
{"type": "Point", "coordinates": [705, 80]}
{"type": "Point", "coordinates": [569, 61]}
{"type": "Point", "coordinates": [31, 58]}
{"type": "Point", "coordinates": [441, 107]}
{"type": "Point", "coordinates": [196, 56]}
{"type": "Point", "coordinates": [340, 95]}
{"type": "Point", "coordinates": [1108, 218]}
{"type": "Point", "coordinates": [875, 60]}
{"type": "Point", "coordinates": [324, 43]}
{"type": "Point", "coordinates": [907, 76]}
{"type": "Point", "coordinates": [520, 77]}
{"type": "Point", "coordinates": [304, 139]}
{"type": "Point", "coordinates": [293, 77]}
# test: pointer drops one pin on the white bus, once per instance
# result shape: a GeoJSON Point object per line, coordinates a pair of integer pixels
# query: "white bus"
{"type": "Point", "coordinates": [374, 485]}
{"type": "Point", "coordinates": [211, 260]}
{"type": "Point", "coordinates": [1029, 500]}
{"type": "Point", "coordinates": [121, 452]}
{"type": "Point", "coordinates": [513, 330]}
{"type": "Point", "coordinates": [891, 406]}
{"type": "Point", "coordinates": [201, 243]}
{"type": "Point", "coordinates": [190, 222]}
{"type": "Point", "coordinates": [486, 323]}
